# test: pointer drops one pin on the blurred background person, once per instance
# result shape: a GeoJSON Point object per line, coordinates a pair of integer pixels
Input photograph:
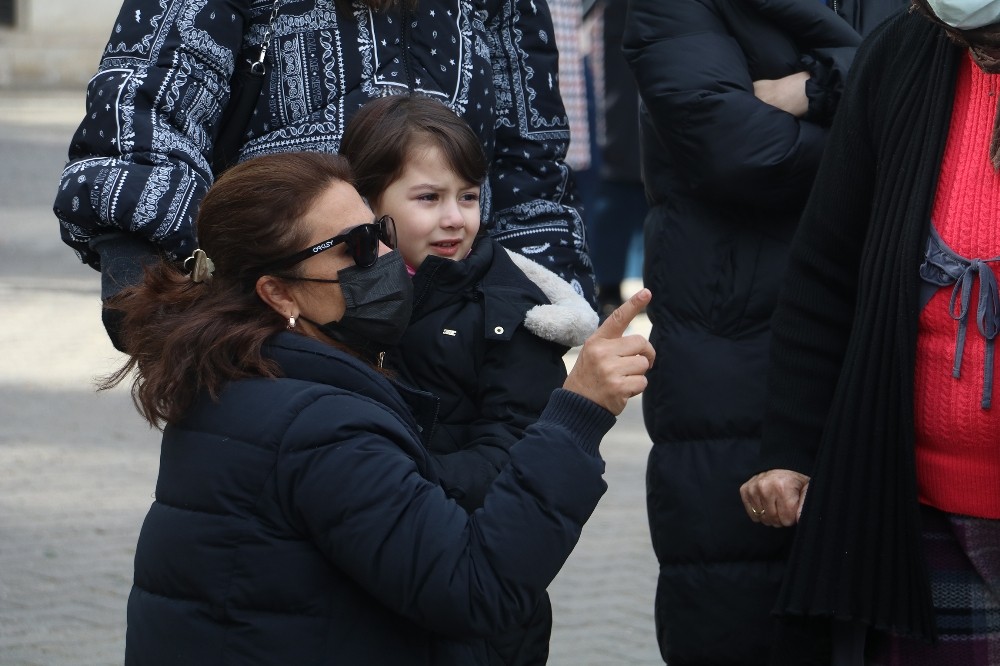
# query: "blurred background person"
{"type": "Point", "coordinates": [616, 208]}
{"type": "Point", "coordinates": [567, 24]}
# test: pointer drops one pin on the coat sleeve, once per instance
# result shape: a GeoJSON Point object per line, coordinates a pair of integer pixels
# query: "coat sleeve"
{"type": "Point", "coordinates": [535, 211]}
{"type": "Point", "coordinates": [364, 502]}
{"type": "Point", "coordinates": [138, 163]}
{"type": "Point", "coordinates": [814, 316]}
{"type": "Point", "coordinates": [696, 86]}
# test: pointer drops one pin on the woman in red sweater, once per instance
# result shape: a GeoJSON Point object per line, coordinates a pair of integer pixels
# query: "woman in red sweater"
{"type": "Point", "coordinates": [882, 377]}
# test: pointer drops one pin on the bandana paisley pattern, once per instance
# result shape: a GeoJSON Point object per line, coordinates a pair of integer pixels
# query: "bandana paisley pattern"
{"type": "Point", "coordinates": [139, 160]}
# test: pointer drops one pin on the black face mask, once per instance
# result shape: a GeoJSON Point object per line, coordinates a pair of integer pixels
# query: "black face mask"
{"type": "Point", "coordinates": [379, 301]}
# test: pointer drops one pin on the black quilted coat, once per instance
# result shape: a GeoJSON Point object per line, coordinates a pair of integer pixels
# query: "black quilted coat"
{"type": "Point", "coordinates": [727, 176]}
{"type": "Point", "coordinates": [299, 521]}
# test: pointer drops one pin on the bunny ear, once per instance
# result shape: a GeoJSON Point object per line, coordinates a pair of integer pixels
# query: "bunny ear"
{"type": "Point", "coordinates": [568, 319]}
{"type": "Point", "coordinates": [202, 268]}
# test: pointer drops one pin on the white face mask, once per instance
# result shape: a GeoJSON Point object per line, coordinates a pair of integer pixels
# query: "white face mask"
{"type": "Point", "coordinates": [966, 14]}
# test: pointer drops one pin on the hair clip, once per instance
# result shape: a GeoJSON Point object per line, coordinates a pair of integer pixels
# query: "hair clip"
{"type": "Point", "coordinates": [203, 266]}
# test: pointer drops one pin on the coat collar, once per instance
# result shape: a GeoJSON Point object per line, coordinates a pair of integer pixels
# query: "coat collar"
{"type": "Point", "coordinates": [514, 289]}
{"type": "Point", "coordinates": [304, 358]}
{"type": "Point", "coordinates": [485, 275]}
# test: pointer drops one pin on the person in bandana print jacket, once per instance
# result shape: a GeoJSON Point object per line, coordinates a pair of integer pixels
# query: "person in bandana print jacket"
{"type": "Point", "coordinates": [139, 163]}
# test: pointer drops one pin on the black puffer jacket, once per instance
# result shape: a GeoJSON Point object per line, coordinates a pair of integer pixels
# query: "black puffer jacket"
{"type": "Point", "coordinates": [139, 162]}
{"type": "Point", "coordinates": [727, 176]}
{"type": "Point", "coordinates": [299, 521]}
{"type": "Point", "coordinates": [472, 343]}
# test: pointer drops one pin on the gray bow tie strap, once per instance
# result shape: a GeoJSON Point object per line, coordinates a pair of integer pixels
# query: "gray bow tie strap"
{"type": "Point", "coordinates": [943, 267]}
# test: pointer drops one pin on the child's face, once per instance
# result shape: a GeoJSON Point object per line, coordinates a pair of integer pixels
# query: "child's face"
{"type": "Point", "coordinates": [435, 210]}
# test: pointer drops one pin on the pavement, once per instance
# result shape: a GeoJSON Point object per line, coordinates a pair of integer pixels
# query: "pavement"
{"type": "Point", "coordinates": [78, 467]}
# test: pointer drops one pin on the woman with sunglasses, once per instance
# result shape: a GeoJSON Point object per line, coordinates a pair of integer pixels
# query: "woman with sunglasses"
{"type": "Point", "coordinates": [298, 518]}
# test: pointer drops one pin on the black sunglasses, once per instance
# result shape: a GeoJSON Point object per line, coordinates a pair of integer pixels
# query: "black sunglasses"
{"type": "Point", "coordinates": [362, 242]}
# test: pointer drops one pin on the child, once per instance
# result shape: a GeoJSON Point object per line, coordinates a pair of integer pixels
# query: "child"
{"type": "Point", "coordinates": [489, 328]}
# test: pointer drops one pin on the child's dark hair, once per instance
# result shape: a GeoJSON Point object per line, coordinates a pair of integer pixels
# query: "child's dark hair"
{"type": "Point", "coordinates": [380, 137]}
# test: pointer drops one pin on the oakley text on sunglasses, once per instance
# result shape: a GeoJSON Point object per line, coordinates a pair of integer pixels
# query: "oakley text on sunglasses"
{"type": "Point", "coordinates": [362, 242]}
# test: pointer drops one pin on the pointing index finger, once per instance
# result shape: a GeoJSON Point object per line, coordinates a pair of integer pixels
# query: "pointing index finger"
{"type": "Point", "coordinates": [616, 323]}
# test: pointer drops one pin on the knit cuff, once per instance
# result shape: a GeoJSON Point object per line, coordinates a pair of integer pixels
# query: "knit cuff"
{"type": "Point", "coordinates": [123, 258]}
{"type": "Point", "coordinates": [586, 419]}
{"type": "Point", "coordinates": [827, 69]}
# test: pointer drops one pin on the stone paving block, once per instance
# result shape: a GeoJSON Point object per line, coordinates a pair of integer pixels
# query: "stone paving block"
{"type": "Point", "coordinates": [612, 568]}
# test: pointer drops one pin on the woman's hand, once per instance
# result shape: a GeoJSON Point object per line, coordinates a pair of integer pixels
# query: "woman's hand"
{"type": "Point", "coordinates": [610, 368]}
{"type": "Point", "coordinates": [775, 497]}
{"type": "Point", "coordinates": [787, 93]}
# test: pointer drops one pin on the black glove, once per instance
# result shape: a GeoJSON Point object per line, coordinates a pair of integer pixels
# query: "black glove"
{"type": "Point", "coordinates": [123, 258]}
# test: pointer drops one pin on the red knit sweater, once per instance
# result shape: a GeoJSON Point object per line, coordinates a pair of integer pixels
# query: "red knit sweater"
{"type": "Point", "coordinates": [957, 441]}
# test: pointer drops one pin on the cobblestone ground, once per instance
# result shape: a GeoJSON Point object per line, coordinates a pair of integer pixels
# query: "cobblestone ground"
{"type": "Point", "coordinates": [602, 599]}
{"type": "Point", "coordinates": [77, 467]}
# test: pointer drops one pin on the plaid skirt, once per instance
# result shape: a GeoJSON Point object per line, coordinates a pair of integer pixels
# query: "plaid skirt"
{"type": "Point", "coordinates": [963, 556]}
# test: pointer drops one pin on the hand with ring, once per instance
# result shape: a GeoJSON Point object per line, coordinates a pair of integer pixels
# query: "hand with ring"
{"type": "Point", "coordinates": [775, 497]}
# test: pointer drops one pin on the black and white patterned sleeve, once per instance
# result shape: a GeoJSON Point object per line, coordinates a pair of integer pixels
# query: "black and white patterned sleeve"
{"type": "Point", "coordinates": [535, 211]}
{"type": "Point", "coordinates": [138, 162]}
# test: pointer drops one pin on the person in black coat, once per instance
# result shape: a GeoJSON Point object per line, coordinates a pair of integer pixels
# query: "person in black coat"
{"type": "Point", "coordinates": [489, 328]}
{"type": "Point", "coordinates": [737, 97]}
{"type": "Point", "coordinates": [298, 518]}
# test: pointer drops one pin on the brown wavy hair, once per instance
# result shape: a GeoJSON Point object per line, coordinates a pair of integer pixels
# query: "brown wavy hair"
{"type": "Point", "coordinates": [381, 135]}
{"type": "Point", "coordinates": [184, 337]}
